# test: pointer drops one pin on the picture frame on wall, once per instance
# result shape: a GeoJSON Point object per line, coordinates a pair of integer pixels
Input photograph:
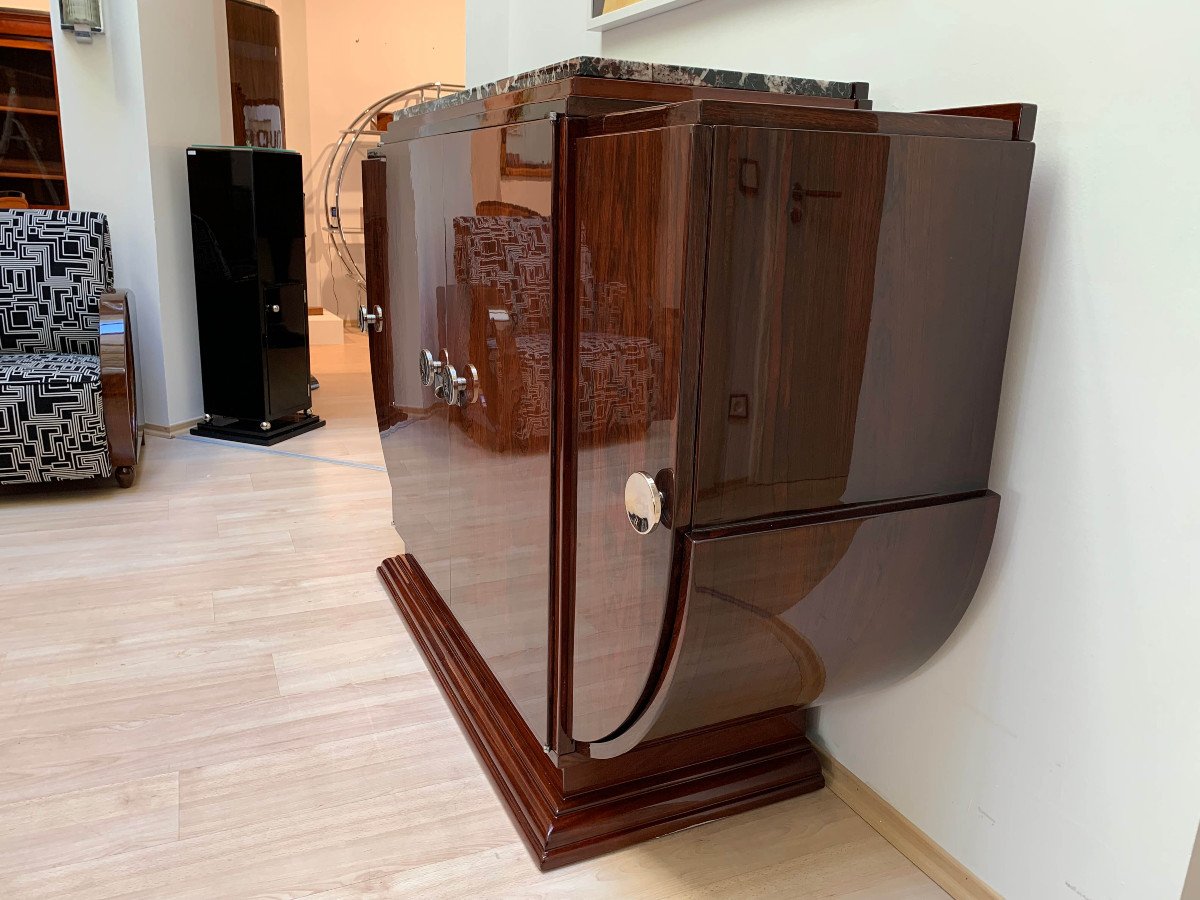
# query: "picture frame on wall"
{"type": "Point", "coordinates": [608, 14]}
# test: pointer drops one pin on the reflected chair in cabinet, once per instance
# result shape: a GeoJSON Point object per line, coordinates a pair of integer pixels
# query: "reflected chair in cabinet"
{"type": "Point", "coordinates": [68, 399]}
{"type": "Point", "coordinates": [503, 286]}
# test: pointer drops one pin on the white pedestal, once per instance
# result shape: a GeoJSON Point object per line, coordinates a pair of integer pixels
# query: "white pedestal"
{"type": "Point", "coordinates": [325, 329]}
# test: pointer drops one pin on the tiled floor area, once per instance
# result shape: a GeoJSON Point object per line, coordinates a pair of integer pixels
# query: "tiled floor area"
{"type": "Point", "coordinates": [205, 692]}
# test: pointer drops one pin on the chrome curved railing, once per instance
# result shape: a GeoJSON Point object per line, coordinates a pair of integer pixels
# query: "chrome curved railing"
{"type": "Point", "coordinates": [339, 162]}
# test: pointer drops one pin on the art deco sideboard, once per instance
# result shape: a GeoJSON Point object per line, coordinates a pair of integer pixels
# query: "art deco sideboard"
{"type": "Point", "coordinates": [687, 395]}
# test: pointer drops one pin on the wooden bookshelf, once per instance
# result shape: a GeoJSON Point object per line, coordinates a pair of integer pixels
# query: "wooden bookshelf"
{"type": "Point", "coordinates": [31, 150]}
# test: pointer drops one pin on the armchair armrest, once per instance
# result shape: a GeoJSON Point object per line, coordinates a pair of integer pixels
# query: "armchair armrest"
{"type": "Point", "coordinates": [118, 385]}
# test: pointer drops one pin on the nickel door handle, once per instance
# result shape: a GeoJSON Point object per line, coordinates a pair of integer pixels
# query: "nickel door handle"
{"type": "Point", "coordinates": [370, 319]}
{"type": "Point", "coordinates": [428, 367]}
{"type": "Point", "coordinates": [450, 384]}
{"type": "Point", "coordinates": [643, 502]}
{"type": "Point", "coordinates": [467, 388]}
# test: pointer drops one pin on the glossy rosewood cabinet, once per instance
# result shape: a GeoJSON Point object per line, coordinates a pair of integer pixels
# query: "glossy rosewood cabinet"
{"type": "Point", "coordinates": [688, 407]}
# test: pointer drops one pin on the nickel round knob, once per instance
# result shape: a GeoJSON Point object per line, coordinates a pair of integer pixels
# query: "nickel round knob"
{"type": "Point", "coordinates": [470, 390]}
{"type": "Point", "coordinates": [428, 367]}
{"type": "Point", "coordinates": [643, 502]}
{"type": "Point", "coordinates": [368, 319]}
{"type": "Point", "coordinates": [452, 385]}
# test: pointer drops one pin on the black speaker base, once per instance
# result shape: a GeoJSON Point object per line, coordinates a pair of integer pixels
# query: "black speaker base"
{"type": "Point", "coordinates": [246, 432]}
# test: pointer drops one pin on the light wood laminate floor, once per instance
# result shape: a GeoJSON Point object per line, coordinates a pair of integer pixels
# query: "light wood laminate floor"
{"type": "Point", "coordinates": [205, 692]}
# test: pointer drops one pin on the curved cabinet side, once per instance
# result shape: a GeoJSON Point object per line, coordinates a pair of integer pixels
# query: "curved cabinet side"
{"type": "Point", "coordinates": [796, 616]}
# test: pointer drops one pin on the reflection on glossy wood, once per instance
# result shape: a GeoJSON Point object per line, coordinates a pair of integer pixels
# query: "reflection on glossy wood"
{"type": "Point", "coordinates": [638, 284]}
{"type": "Point", "coordinates": [496, 211]}
{"type": "Point", "coordinates": [118, 385]}
{"type": "Point", "coordinates": [255, 74]}
{"type": "Point", "coordinates": [415, 435]}
{"type": "Point", "coordinates": [820, 610]}
{"type": "Point", "coordinates": [870, 340]}
{"type": "Point", "coordinates": [573, 813]}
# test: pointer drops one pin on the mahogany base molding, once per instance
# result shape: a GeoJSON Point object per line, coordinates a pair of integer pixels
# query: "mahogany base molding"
{"type": "Point", "coordinates": [582, 807]}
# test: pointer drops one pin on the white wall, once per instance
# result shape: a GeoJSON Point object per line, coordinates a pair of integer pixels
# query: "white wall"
{"type": "Point", "coordinates": [1053, 747]}
{"type": "Point", "coordinates": [181, 37]}
{"type": "Point", "coordinates": [338, 58]}
{"type": "Point", "coordinates": [128, 112]}
{"type": "Point", "coordinates": [102, 104]}
{"type": "Point", "coordinates": [509, 36]}
{"type": "Point", "coordinates": [1191, 886]}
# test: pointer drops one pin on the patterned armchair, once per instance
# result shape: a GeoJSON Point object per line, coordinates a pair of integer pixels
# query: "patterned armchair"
{"type": "Point", "coordinates": [68, 406]}
{"type": "Point", "coordinates": [502, 268]}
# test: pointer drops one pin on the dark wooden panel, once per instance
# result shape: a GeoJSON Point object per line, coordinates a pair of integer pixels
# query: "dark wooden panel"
{"type": "Point", "coordinates": [563, 446]}
{"type": "Point", "coordinates": [829, 607]}
{"type": "Point", "coordinates": [1022, 116]}
{"type": "Point", "coordinates": [499, 231]}
{"type": "Point", "coordinates": [640, 268]}
{"type": "Point", "coordinates": [375, 239]}
{"type": "Point", "coordinates": [31, 163]}
{"type": "Point", "coordinates": [755, 114]}
{"type": "Point", "coordinates": [255, 74]}
{"type": "Point", "coordinates": [856, 318]}
{"type": "Point", "coordinates": [16, 23]}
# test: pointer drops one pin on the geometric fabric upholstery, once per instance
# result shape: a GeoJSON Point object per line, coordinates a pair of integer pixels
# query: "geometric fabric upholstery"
{"type": "Point", "coordinates": [51, 418]}
{"type": "Point", "coordinates": [54, 265]}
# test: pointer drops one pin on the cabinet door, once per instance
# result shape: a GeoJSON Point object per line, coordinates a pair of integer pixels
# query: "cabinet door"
{"type": "Point", "coordinates": [499, 274]}
{"type": "Point", "coordinates": [856, 317]}
{"type": "Point", "coordinates": [641, 205]}
{"type": "Point", "coordinates": [286, 328]}
{"type": "Point", "coordinates": [413, 422]}
{"type": "Point", "coordinates": [378, 289]}
{"type": "Point", "coordinates": [279, 224]}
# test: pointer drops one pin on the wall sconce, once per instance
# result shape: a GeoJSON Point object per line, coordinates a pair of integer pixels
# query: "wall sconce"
{"type": "Point", "coordinates": [83, 17]}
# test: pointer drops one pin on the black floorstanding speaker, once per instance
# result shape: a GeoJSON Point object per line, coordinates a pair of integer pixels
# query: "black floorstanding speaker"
{"type": "Point", "coordinates": [251, 293]}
